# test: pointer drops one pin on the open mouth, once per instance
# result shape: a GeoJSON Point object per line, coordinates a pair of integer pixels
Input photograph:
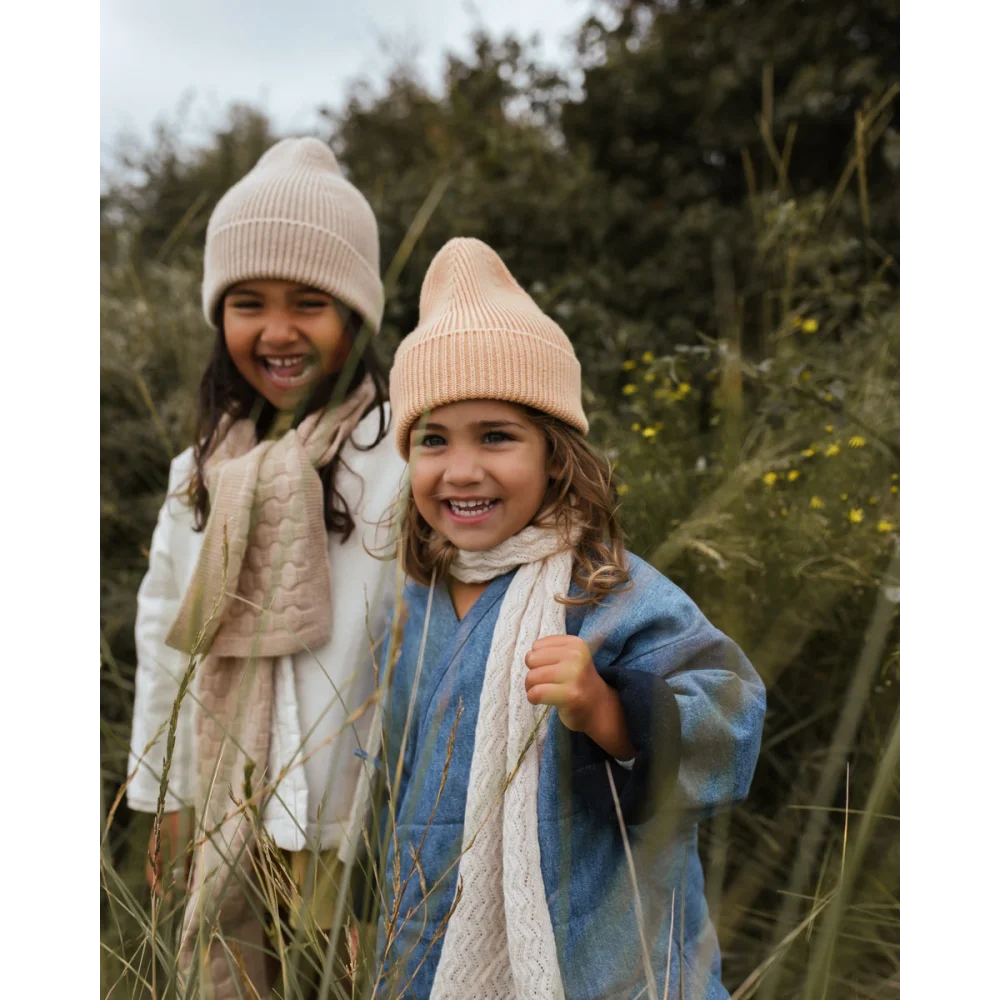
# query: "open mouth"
{"type": "Point", "coordinates": [471, 510]}
{"type": "Point", "coordinates": [288, 371]}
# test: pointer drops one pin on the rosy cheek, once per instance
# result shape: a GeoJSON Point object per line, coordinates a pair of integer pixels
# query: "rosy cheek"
{"type": "Point", "coordinates": [238, 340]}
{"type": "Point", "coordinates": [422, 487]}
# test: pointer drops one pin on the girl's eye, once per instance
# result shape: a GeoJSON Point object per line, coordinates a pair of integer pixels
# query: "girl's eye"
{"type": "Point", "coordinates": [245, 304]}
{"type": "Point", "coordinates": [313, 304]}
{"type": "Point", "coordinates": [496, 437]}
{"type": "Point", "coordinates": [431, 441]}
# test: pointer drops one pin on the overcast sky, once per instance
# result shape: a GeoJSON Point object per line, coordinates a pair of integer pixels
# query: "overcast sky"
{"type": "Point", "coordinates": [289, 56]}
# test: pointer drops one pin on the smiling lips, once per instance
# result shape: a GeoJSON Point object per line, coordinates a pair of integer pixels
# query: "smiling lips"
{"type": "Point", "coordinates": [471, 510]}
{"type": "Point", "coordinates": [288, 371]}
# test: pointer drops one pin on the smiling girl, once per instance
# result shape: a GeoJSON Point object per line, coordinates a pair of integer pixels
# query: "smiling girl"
{"type": "Point", "coordinates": [546, 677]}
{"type": "Point", "coordinates": [260, 562]}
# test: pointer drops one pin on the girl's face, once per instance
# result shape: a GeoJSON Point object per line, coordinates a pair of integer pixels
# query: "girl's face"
{"type": "Point", "coordinates": [478, 471]}
{"type": "Point", "coordinates": [283, 337]}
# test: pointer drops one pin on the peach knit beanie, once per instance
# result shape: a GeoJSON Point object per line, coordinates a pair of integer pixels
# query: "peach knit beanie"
{"type": "Point", "coordinates": [295, 217]}
{"type": "Point", "coordinates": [481, 336]}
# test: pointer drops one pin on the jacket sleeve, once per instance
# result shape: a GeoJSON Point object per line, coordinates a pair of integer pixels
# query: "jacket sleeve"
{"type": "Point", "coordinates": [159, 668]}
{"type": "Point", "coordinates": [693, 704]}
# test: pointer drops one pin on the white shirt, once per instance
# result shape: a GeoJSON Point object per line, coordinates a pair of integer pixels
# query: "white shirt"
{"type": "Point", "coordinates": [314, 692]}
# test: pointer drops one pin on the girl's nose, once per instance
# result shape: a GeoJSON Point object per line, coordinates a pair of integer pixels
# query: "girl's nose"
{"type": "Point", "coordinates": [279, 331]}
{"type": "Point", "coordinates": [464, 469]}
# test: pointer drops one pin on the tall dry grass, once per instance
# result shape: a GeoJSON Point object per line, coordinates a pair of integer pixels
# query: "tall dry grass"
{"type": "Point", "coordinates": [764, 482]}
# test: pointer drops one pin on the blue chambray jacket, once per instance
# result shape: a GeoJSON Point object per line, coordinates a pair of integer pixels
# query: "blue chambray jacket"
{"type": "Point", "coordinates": [694, 708]}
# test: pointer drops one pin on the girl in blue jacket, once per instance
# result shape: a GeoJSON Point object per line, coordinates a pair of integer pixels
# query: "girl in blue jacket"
{"type": "Point", "coordinates": [550, 693]}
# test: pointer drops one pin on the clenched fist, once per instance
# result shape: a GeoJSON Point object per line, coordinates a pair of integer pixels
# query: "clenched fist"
{"type": "Point", "coordinates": [561, 673]}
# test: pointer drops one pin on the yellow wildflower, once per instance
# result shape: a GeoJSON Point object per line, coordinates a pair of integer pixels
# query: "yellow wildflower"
{"type": "Point", "coordinates": [770, 478]}
{"type": "Point", "coordinates": [784, 512]}
{"type": "Point", "coordinates": [834, 449]}
{"type": "Point", "coordinates": [828, 428]}
{"type": "Point", "coordinates": [808, 452]}
{"type": "Point", "coordinates": [622, 489]}
{"type": "Point", "coordinates": [806, 375]}
{"type": "Point", "coordinates": [649, 432]}
{"type": "Point", "coordinates": [684, 388]}
{"type": "Point", "coordinates": [873, 500]}
{"type": "Point", "coordinates": [629, 389]}
{"type": "Point", "coordinates": [816, 503]}
{"type": "Point", "coordinates": [893, 489]}
{"type": "Point", "coordinates": [856, 516]}
{"type": "Point", "coordinates": [650, 377]}
{"type": "Point", "coordinates": [895, 477]}
{"type": "Point", "coordinates": [843, 496]}
{"type": "Point", "coordinates": [810, 326]}
{"type": "Point", "coordinates": [628, 366]}
{"type": "Point", "coordinates": [647, 357]}
{"type": "Point", "coordinates": [828, 397]}
{"type": "Point", "coordinates": [793, 474]}
{"type": "Point", "coordinates": [884, 525]}
{"type": "Point", "coordinates": [857, 441]}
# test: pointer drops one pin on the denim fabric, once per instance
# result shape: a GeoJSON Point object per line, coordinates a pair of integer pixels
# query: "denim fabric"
{"type": "Point", "coordinates": [694, 708]}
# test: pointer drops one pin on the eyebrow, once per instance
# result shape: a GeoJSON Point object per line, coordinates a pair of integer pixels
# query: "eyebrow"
{"type": "Point", "coordinates": [479, 423]}
{"type": "Point", "coordinates": [301, 290]}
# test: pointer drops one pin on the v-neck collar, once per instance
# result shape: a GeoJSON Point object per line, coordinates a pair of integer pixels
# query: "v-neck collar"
{"type": "Point", "coordinates": [482, 604]}
{"type": "Point", "coordinates": [459, 631]}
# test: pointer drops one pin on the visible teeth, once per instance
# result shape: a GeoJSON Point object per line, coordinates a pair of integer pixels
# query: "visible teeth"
{"type": "Point", "coordinates": [469, 508]}
{"type": "Point", "coordinates": [283, 362]}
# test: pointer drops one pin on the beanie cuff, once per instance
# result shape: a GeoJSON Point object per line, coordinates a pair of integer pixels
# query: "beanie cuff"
{"type": "Point", "coordinates": [511, 366]}
{"type": "Point", "coordinates": [294, 251]}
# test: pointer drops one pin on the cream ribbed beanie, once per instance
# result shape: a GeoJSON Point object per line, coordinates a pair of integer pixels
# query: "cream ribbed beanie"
{"type": "Point", "coordinates": [481, 336]}
{"type": "Point", "coordinates": [295, 217]}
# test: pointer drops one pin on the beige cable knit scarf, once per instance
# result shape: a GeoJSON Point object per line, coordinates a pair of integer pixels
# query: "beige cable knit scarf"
{"type": "Point", "coordinates": [499, 943]}
{"type": "Point", "coordinates": [261, 590]}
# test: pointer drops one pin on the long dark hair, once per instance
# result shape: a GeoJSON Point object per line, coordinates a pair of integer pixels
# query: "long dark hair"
{"type": "Point", "coordinates": [224, 391]}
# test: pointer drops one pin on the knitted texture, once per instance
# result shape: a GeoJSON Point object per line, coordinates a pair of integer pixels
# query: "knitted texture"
{"type": "Point", "coordinates": [233, 731]}
{"type": "Point", "coordinates": [295, 217]}
{"type": "Point", "coordinates": [265, 531]}
{"type": "Point", "coordinates": [499, 943]}
{"type": "Point", "coordinates": [481, 336]}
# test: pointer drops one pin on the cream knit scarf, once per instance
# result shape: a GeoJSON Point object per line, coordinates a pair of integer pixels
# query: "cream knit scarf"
{"type": "Point", "coordinates": [261, 590]}
{"type": "Point", "coordinates": [499, 943]}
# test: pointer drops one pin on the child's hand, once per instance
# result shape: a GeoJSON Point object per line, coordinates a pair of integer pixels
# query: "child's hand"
{"type": "Point", "coordinates": [561, 673]}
